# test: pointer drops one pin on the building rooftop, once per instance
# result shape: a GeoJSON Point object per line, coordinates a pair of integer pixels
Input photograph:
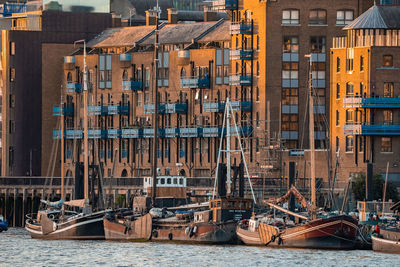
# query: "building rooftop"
{"type": "Point", "coordinates": [119, 37]}
{"type": "Point", "coordinates": [377, 17]}
{"type": "Point", "coordinates": [220, 34]}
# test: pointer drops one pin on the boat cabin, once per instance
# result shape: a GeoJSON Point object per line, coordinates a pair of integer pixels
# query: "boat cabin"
{"type": "Point", "coordinates": [236, 209]}
{"type": "Point", "coordinates": [167, 186]}
{"type": "Point", "coordinates": [367, 209]}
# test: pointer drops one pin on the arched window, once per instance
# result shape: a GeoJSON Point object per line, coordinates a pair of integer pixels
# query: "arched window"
{"type": "Point", "coordinates": [349, 89]}
{"type": "Point", "coordinates": [69, 77]}
{"type": "Point", "coordinates": [124, 173]}
{"type": "Point", "coordinates": [183, 73]}
{"type": "Point", "coordinates": [125, 75]}
{"type": "Point", "coordinates": [317, 17]}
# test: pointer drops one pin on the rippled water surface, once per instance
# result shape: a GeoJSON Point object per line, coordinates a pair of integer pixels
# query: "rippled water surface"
{"type": "Point", "coordinates": [18, 249]}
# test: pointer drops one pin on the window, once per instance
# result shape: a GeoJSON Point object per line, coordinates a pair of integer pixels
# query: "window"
{"type": "Point", "coordinates": [337, 117]}
{"type": "Point", "coordinates": [387, 117]}
{"type": "Point", "coordinates": [290, 16]}
{"type": "Point", "coordinates": [349, 144]}
{"type": "Point", "coordinates": [12, 101]}
{"type": "Point", "coordinates": [290, 70]}
{"type": "Point", "coordinates": [386, 144]}
{"type": "Point", "coordinates": [349, 89]}
{"type": "Point", "coordinates": [257, 119]}
{"type": "Point", "coordinates": [12, 74]}
{"type": "Point", "coordinates": [318, 44]}
{"type": "Point", "coordinates": [337, 144]}
{"type": "Point", "coordinates": [69, 77]}
{"type": "Point", "coordinates": [12, 48]}
{"type": "Point", "coordinates": [290, 122]}
{"type": "Point", "coordinates": [125, 75]}
{"type": "Point", "coordinates": [258, 69]}
{"type": "Point", "coordinates": [350, 60]}
{"type": "Point", "coordinates": [387, 61]}
{"type": "Point", "coordinates": [344, 17]}
{"type": "Point", "coordinates": [290, 44]}
{"type": "Point", "coordinates": [388, 89]}
{"type": "Point", "coordinates": [147, 83]}
{"type": "Point", "coordinates": [290, 96]}
{"type": "Point", "coordinates": [337, 91]}
{"type": "Point", "coordinates": [361, 63]}
{"type": "Point", "coordinates": [318, 71]}
{"type": "Point", "coordinates": [317, 17]}
{"type": "Point", "coordinates": [257, 94]}
{"type": "Point", "coordinates": [338, 64]}
{"type": "Point", "coordinates": [12, 126]}
{"type": "Point", "coordinates": [349, 116]}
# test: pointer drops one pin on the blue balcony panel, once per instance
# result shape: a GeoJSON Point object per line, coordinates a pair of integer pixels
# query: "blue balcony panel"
{"type": "Point", "coordinates": [131, 133]}
{"type": "Point", "coordinates": [113, 133]}
{"type": "Point", "coordinates": [125, 57]}
{"type": "Point", "coordinates": [213, 107]}
{"type": "Point", "coordinates": [241, 28]}
{"type": "Point", "coordinates": [296, 153]}
{"type": "Point", "coordinates": [96, 133]}
{"type": "Point", "coordinates": [132, 85]}
{"type": "Point", "coordinates": [211, 132]}
{"type": "Point", "coordinates": [195, 82]}
{"type": "Point", "coordinates": [74, 87]}
{"type": "Point", "coordinates": [240, 80]}
{"type": "Point", "coordinates": [68, 134]}
{"type": "Point", "coordinates": [371, 102]}
{"type": "Point", "coordinates": [171, 132]}
{"type": "Point", "coordinates": [166, 108]}
{"type": "Point", "coordinates": [66, 111]}
{"type": "Point", "coordinates": [371, 129]}
{"type": "Point", "coordinates": [226, 4]}
{"type": "Point", "coordinates": [241, 54]}
{"type": "Point", "coordinates": [189, 132]}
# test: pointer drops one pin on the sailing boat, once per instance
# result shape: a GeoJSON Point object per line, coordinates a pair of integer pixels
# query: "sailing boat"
{"type": "Point", "coordinates": [329, 232]}
{"type": "Point", "coordinates": [57, 223]}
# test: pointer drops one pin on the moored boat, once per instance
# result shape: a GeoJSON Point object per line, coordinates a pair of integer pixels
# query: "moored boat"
{"type": "Point", "coordinates": [387, 240]}
{"type": "Point", "coordinates": [3, 224]}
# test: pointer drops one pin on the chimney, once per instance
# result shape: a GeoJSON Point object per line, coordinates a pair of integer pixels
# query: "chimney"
{"type": "Point", "coordinates": [209, 14]}
{"type": "Point", "coordinates": [172, 15]}
{"type": "Point", "coordinates": [151, 16]}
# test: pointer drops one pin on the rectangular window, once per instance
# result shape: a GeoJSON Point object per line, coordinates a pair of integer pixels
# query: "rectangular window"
{"type": "Point", "coordinates": [350, 60]}
{"type": "Point", "coordinates": [12, 74]}
{"type": "Point", "coordinates": [349, 89]}
{"type": "Point", "coordinates": [361, 63]}
{"type": "Point", "coordinates": [12, 48]}
{"type": "Point", "coordinates": [12, 127]}
{"type": "Point", "coordinates": [291, 16]}
{"type": "Point", "coordinates": [337, 117]}
{"type": "Point", "coordinates": [318, 44]}
{"type": "Point", "coordinates": [349, 144]}
{"type": "Point", "coordinates": [349, 116]}
{"type": "Point", "coordinates": [290, 122]}
{"type": "Point", "coordinates": [387, 117]}
{"type": "Point", "coordinates": [317, 17]}
{"type": "Point", "coordinates": [290, 96]}
{"type": "Point", "coordinates": [386, 144]}
{"type": "Point", "coordinates": [12, 101]}
{"type": "Point", "coordinates": [344, 17]}
{"type": "Point", "coordinates": [337, 91]}
{"type": "Point", "coordinates": [257, 94]}
{"type": "Point", "coordinates": [290, 70]}
{"type": "Point", "coordinates": [139, 100]}
{"type": "Point", "coordinates": [338, 64]}
{"type": "Point", "coordinates": [290, 44]}
{"type": "Point", "coordinates": [388, 89]}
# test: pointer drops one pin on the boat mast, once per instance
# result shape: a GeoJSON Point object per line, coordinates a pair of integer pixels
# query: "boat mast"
{"type": "Point", "coordinates": [62, 146]}
{"type": "Point", "coordinates": [155, 114]}
{"type": "Point", "coordinates": [228, 147]}
{"type": "Point", "coordinates": [312, 141]}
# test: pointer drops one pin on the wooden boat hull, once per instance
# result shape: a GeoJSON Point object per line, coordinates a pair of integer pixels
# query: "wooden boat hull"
{"type": "Point", "coordinates": [248, 237]}
{"type": "Point", "coordinates": [138, 230]}
{"type": "Point", "coordinates": [385, 245]}
{"type": "Point", "coordinates": [333, 233]}
{"type": "Point", "coordinates": [206, 233]}
{"type": "Point", "coordinates": [87, 227]}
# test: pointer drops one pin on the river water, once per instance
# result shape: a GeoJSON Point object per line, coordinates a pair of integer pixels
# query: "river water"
{"type": "Point", "coordinates": [18, 249]}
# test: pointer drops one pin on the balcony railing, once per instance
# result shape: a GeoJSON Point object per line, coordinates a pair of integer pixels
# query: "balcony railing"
{"type": "Point", "coordinates": [74, 87]}
{"type": "Point", "coordinates": [132, 85]}
{"type": "Point", "coordinates": [225, 4]}
{"type": "Point", "coordinates": [169, 108]}
{"type": "Point", "coordinates": [371, 129]}
{"type": "Point", "coordinates": [241, 54]}
{"type": "Point", "coordinates": [240, 80]}
{"type": "Point", "coordinates": [108, 110]}
{"type": "Point", "coordinates": [371, 102]}
{"type": "Point", "coordinates": [195, 82]}
{"type": "Point", "coordinates": [66, 111]}
{"type": "Point", "coordinates": [241, 28]}
{"type": "Point", "coordinates": [220, 106]}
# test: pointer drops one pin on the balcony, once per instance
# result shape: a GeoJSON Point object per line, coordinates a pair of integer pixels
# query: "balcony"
{"type": "Point", "coordinates": [211, 132]}
{"type": "Point", "coordinates": [74, 87]}
{"type": "Point", "coordinates": [113, 133]}
{"type": "Point", "coordinates": [241, 54]}
{"type": "Point", "coordinates": [225, 4]}
{"type": "Point", "coordinates": [371, 102]}
{"type": "Point", "coordinates": [66, 111]}
{"type": "Point", "coordinates": [96, 133]}
{"type": "Point", "coordinates": [240, 80]}
{"type": "Point", "coordinates": [189, 132]}
{"type": "Point", "coordinates": [371, 129]}
{"type": "Point", "coordinates": [241, 28]}
{"type": "Point", "coordinates": [108, 110]}
{"type": "Point", "coordinates": [69, 62]}
{"type": "Point", "coordinates": [68, 134]}
{"type": "Point", "coordinates": [169, 108]}
{"type": "Point", "coordinates": [132, 85]}
{"type": "Point", "coordinates": [125, 60]}
{"type": "Point", "coordinates": [195, 82]}
{"type": "Point", "coordinates": [171, 132]}
{"type": "Point", "coordinates": [131, 133]}
{"type": "Point", "coordinates": [220, 106]}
